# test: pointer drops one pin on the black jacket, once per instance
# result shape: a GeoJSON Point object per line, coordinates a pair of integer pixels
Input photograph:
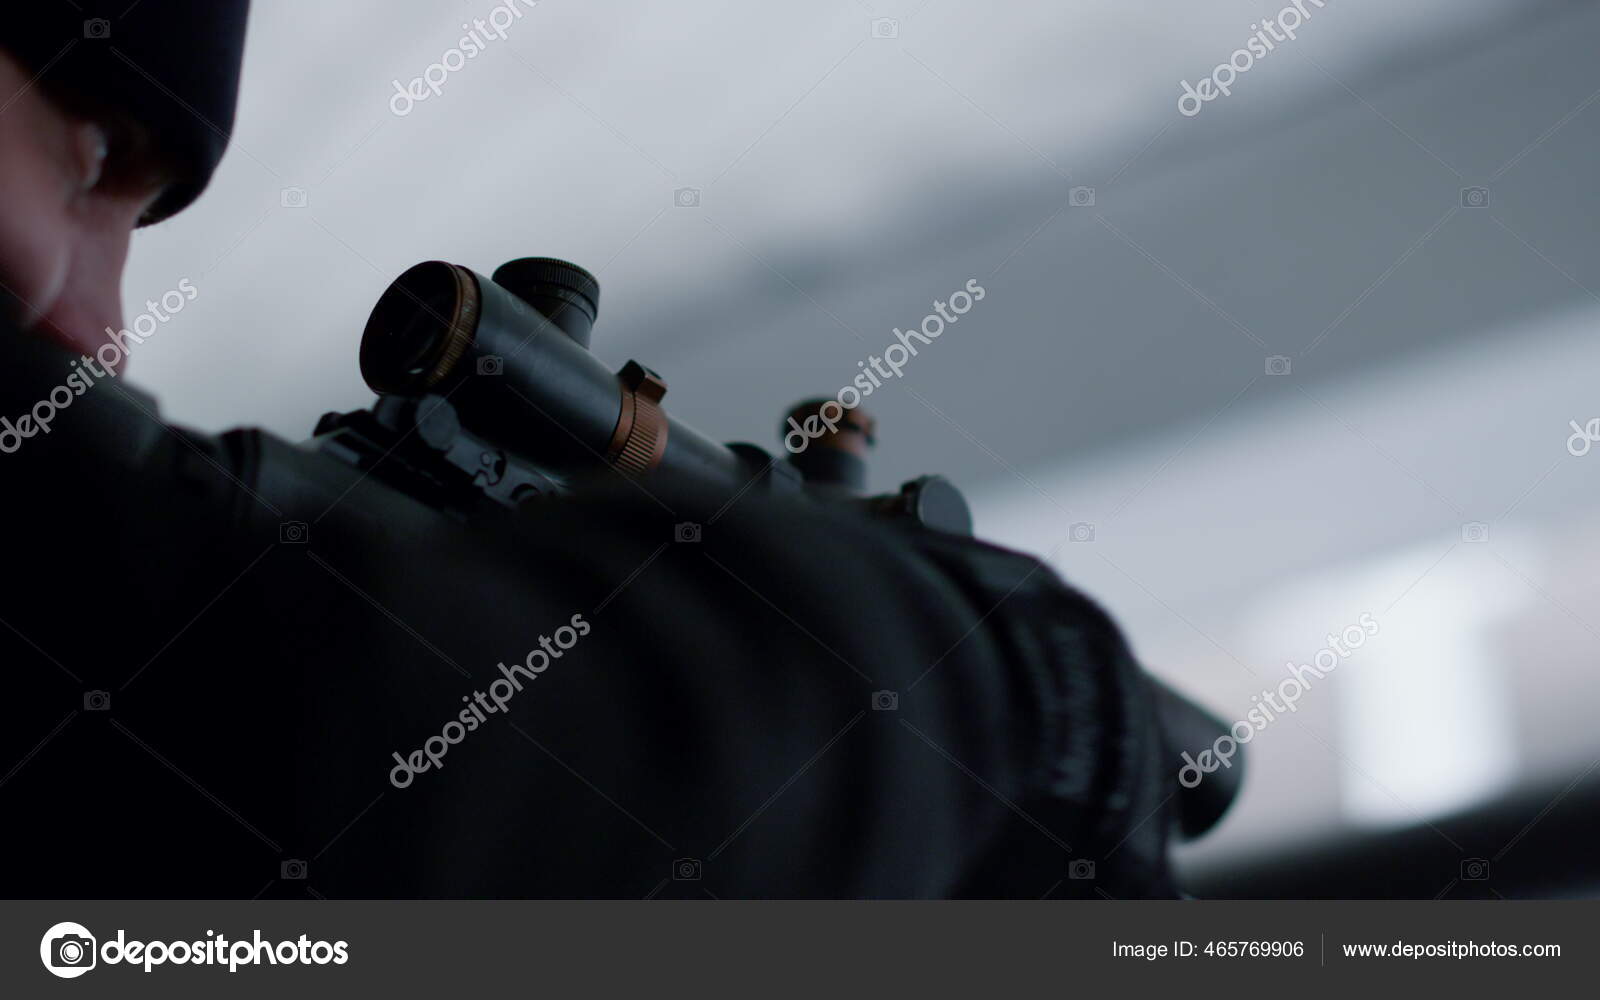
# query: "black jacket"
{"type": "Point", "coordinates": [216, 650]}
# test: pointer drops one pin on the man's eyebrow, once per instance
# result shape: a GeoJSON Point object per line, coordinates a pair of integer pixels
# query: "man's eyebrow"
{"type": "Point", "coordinates": [135, 158]}
{"type": "Point", "coordinates": [136, 165]}
{"type": "Point", "coordinates": [133, 146]}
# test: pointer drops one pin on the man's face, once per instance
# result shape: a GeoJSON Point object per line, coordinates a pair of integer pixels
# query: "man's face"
{"type": "Point", "coordinates": [71, 191]}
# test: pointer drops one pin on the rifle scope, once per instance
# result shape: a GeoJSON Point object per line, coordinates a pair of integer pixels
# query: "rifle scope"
{"type": "Point", "coordinates": [511, 356]}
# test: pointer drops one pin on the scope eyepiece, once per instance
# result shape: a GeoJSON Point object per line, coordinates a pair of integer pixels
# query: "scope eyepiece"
{"type": "Point", "coordinates": [420, 328]}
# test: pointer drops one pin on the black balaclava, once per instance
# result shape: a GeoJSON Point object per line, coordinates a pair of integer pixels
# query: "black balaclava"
{"type": "Point", "coordinates": [170, 65]}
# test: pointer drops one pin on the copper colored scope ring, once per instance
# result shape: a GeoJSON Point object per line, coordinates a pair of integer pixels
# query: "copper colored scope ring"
{"type": "Point", "coordinates": [463, 326]}
{"type": "Point", "coordinates": [640, 437]}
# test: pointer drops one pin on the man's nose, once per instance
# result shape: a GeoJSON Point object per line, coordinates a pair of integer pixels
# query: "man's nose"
{"type": "Point", "coordinates": [89, 309]}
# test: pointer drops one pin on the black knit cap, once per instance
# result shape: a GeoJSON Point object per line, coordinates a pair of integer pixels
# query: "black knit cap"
{"type": "Point", "coordinates": [171, 66]}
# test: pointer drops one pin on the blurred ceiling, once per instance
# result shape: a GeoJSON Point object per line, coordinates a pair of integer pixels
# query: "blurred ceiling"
{"type": "Point", "coordinates": [847, 181]}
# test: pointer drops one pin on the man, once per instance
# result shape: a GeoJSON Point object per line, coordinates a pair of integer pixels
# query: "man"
{"type": "Point", "coordinates": [233, 668]}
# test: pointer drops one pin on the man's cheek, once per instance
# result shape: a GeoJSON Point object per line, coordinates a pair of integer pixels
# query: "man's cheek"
{"type": "Point", "coordinates": [35, 257]}
{"type": "Point", "coordinates": [57, 242]}
{"type": "Point", "coordinates": [36, 227]}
